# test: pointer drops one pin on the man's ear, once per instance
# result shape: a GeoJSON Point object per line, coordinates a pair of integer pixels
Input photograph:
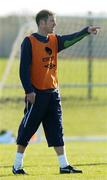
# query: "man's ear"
{"type": "Point", "coordinates": [42, 22]}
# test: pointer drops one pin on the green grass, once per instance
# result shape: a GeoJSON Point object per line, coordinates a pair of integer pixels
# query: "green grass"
{"type": "Point", "coordinates": [81, 117]}
{"type": "Point", "coordinates": [88, 156]}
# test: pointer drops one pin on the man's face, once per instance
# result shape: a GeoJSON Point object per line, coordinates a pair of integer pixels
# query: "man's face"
{"type": "Point", "coordinates": [49, 24]}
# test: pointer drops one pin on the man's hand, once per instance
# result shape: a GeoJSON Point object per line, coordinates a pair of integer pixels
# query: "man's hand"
{"type": "Point", "coordinates": [93, 29]}
{"type": "Point", "coordinates": [31, 97]}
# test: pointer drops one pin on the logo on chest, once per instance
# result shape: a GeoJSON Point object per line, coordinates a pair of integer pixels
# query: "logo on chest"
{"type": "Point", "coordinates": [49, 60]}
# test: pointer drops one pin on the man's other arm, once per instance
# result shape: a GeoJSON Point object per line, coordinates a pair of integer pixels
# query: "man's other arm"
{"type": "Point", "coordinates": [25, 63]}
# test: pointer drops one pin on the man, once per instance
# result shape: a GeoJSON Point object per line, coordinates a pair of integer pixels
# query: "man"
{"type": "Point", "coordinates": [38, 74]}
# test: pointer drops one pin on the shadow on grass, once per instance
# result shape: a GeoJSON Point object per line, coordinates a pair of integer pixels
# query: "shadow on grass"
{"type": "Point", "coordinates": [84, 101]}
{"type": "Point", "coordinates": [91, 164]}
{"type": "Point", "coordinates": [69, 99]}
{"type": "Point", "coordinates": [6, 175]}
{"type": "Point", "coordinates": [84, 164]}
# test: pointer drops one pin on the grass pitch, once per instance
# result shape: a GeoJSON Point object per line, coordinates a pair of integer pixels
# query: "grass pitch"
{"type": "Point", "coordinates": [91, 157]}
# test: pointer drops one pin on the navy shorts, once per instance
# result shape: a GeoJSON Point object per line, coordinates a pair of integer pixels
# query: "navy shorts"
{"type": "Point", "coordinates": [46, 110]}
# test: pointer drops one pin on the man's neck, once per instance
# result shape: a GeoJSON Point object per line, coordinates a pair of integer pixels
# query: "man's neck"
{"type": "Point", "coordinates": [41, 33]}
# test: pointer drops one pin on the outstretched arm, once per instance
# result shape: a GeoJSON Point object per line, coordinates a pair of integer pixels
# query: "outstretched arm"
{"type": "Point", "coordinates": [66, 41]}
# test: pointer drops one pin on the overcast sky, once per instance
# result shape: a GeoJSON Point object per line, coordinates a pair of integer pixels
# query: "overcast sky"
{"type": "Point", "coordinates": [60, 7]}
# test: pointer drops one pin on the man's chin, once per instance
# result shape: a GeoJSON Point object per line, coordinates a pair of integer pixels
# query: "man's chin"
{"type": "Point", "coordinates": [52, 31]}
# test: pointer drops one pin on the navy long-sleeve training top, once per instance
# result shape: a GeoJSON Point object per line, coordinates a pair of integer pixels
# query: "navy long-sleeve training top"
{"type": "Point", "coordinates": [64, 42]}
